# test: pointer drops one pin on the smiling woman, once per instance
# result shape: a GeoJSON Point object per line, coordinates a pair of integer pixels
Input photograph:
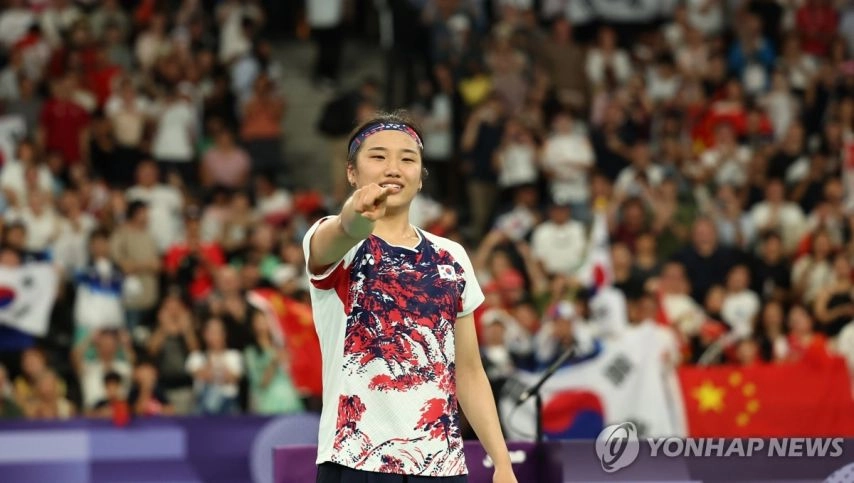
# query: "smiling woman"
{"type": "Point", "coordinates": [393, 310]}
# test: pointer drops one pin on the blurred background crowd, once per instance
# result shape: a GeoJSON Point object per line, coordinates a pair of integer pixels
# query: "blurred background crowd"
{"type": "Point", "coordinates": [145, 155]}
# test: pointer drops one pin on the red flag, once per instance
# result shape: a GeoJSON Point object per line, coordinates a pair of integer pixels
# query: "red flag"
{"type": "Point", "coordinates": [295, 329]}
{"type": "Point", "coordinates": [779, 400]}
{"type": "Point", "coordinates": [121, 413]}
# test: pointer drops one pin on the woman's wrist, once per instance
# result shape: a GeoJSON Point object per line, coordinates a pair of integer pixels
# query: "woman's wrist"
{"type": "Point", "coordinates": [354, 224]}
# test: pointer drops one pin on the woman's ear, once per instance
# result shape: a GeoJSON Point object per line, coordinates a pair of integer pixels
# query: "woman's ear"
{"type": "Point", "coordinates": [351, 176]}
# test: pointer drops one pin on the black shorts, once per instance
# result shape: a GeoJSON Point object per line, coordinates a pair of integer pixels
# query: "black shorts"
{"type": "Point", "coordinates": [335, 473]}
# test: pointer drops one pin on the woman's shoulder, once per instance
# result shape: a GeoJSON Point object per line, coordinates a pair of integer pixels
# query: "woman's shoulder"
{"type": "Point", "coordinates": [457, 250]}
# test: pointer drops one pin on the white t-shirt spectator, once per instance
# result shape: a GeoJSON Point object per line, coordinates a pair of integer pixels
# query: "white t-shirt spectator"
{"type": "Point", "coordinates": [729, 231]}
{"type": "Point", "coordinates": [629, 184]}
{"type": "Point", "coordinates": [569, 158]}
{"type": "Point", "coordinates": [228, 359]}
{"type": "Point", "coordinates": [128, 120]}
{"type": "Point", "coordinates": [233, 41]}
{"type": "Point", "coordinates": [661, 88]}
{"type": "Point", "coordinates": [165, 222]}
{"type": "Point", "coordinates": [9, 83]}
{"type": "Point", "coordinates": [597, 63]}
{"type": "Point", "coordinates": [517, 340]}
{"type": "Point", "coordinates": [424, 211]}
{"type": "Point", "coordinates": [279, 203]}
{"type": "Point", "coordinates": [782, 108]}
{"type": "Point", "coordinates": [728, 167]}
{"type": "Point", "coordinates": [683, 313]}
{"type": "Point", "coordinates": [176, 128]}
{"type": "Point", "coordinates": [14, 23]}
{"type": "Point", "coordinates": [12, 179]}
{"type": "Point", "coordinates": [56, 21]}
{"type": "Point", "coordinates": [244, 71]}
{"type": "Point", "coordinates": [559, 247]}
{"type": "Point", "coordinates": [437, 126]}
{"type": "Point", "coordinates": [92, 379]}
{"type": "Point", "coordinates": [42, 228]}
{"type": "Point", "coordinates": [790, 221]}
{"type": "Point", "coordinates": [71, 249]}
{"type": "Point", "coordinates": [709, 20]}
{"type": "Point", "coordinates": [739, 310]}
{"type": "Point", "coordinates": [12, 128]}
{"type": "Point", "coordinates": [517, 223]}
{"type": "Point", "coordinates": [820, 275]}
{"type": "Point", "coordinates": [517, 165]}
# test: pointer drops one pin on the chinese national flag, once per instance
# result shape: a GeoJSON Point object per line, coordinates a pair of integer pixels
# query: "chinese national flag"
{"type": "Point", "coordinates": [296, 330]}
{"type": "Point", "coordinates": [794, 400]}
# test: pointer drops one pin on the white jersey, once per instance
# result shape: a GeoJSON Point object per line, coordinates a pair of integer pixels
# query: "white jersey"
{"type": "Point", "coordinates": [385, 317]}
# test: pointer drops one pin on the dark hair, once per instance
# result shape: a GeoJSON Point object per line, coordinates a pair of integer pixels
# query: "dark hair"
{"type": "Point", "coordinates": [146, 361]}
{"type": "Point", "coordinates": [135, 207]}
{"type": "Point", "coordinates": [99, 233]}
{"type": "Point", "coordinates": [113, 377]}
{"type": "Point", "coordinates": [396, 117]}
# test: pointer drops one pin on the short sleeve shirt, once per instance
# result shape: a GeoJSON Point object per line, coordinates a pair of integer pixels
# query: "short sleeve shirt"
{"type": "Point", "coordinates": [385, 316]}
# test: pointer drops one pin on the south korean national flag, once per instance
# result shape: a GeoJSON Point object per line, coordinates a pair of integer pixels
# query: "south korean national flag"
{"type": "Point", "coordinates": [447, 272]}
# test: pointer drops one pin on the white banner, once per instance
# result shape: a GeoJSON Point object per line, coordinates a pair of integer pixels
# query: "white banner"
{"type": "Point", "coordinates": [27, 295]}
{"type": "Point", "coordinates": [98, 308]}
{"type": "Point", "coordinates": [629, 380]}
{"type": "Point", "coordinates": [631, 11]}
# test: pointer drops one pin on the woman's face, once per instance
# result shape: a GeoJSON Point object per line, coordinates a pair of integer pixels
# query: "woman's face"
{"type": "Point", "coordinates": [46, 386]}
{"type": "Point", "coordinates": [634, 215]}
{"type": "Point", "coordinates": [621, 256]}
{"type": "Point", "coordinates": [772, 316]}
{"type": "Point", "coordinates": [527, 317]}
{"type": "Point", "coordinates": [715, 299]}
{"type": "Point", "coordinates": [645, 244]}
{"type": "Point", "coordinates": [214, 335]}
{"type": "Point", "coordinates": [499, 263]}
{"type": "Point", "coordinates": [821, 246]}
{"type": "Point", "coordinates": [32, 362]}
{"type": "Point", "coordinates": [799, 321]}
{"type": "Point", "coordinates": [390, 159]}
{"type": "Point", "coordinates": [259, 325]}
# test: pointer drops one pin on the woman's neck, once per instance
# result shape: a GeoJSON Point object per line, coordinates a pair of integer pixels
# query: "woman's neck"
{"type": "Point", "coordinates": [396, 228]}
{"type": "Point", "coordinates": [645, 260]}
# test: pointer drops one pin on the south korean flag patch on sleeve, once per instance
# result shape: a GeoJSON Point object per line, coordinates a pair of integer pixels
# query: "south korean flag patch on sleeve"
{"type": "Point", "coordinates": [447, 272]}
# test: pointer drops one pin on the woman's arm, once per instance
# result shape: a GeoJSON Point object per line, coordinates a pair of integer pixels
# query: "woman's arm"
{"type": "Point", "coordinates": [334, 238]}
{"type": "Point", "coordinates": [476, 399]}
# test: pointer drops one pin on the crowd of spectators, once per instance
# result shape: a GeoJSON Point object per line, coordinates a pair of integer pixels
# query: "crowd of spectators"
{"type": "Point", "coordinates": [142, 143]}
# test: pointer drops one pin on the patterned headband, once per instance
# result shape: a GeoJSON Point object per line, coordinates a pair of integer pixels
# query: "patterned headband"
{"type": "Point", "coordinates": [376, 127]}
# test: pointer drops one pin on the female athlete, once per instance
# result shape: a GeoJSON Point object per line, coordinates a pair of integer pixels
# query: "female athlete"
{"type": "Point", "coordinates": [393, 310]}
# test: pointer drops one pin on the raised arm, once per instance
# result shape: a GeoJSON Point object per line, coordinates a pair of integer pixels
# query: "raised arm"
{"type": "Point", "coordinates": [335, 237]}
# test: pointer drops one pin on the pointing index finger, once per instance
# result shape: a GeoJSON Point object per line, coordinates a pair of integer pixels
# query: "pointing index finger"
{"type": "Point", "coordinates": [384, 193]}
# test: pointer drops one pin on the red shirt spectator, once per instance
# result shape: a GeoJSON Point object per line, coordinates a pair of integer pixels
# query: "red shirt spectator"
{"type": "Point", "coordinates": [209, 256]}
{"type": "Point", "coordinates": [102, 76]}
{"type": "Point", "coordinates": [193, 262]}
{"type": "Point", "coordinates": [817, 22]}
{"type": "Point", "coordinates": [64, 124]}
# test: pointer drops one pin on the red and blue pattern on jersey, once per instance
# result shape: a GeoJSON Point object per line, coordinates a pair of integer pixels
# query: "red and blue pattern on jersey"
{"type": "Point", "coordinates": [398, 363]}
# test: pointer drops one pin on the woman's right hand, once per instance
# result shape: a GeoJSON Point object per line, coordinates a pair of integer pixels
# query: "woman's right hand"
{"type": "Point", "coordinates": [370, 201]}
